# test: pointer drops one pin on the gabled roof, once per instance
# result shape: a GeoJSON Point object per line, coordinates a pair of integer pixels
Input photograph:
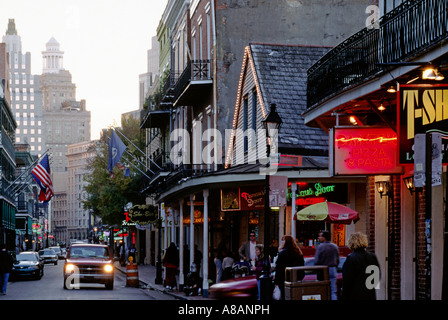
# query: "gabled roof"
{"type": "Point", "coordinates": [282, 78]}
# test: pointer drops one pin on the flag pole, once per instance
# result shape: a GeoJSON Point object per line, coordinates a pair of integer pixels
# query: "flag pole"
{"type": "Point", "coordinates": [138, 149]}
{"type": "Point", "coordinates": [136, 159]}
{"type": "Point", "coordinates": [27, 169]}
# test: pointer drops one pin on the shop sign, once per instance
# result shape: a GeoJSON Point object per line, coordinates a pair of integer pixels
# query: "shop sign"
{"type": "Point", "coordinates": [312, 193]}
{"type": "Point", "coordinates": [198, 218]}
{"type": "Point", "coordinates": [230, 199]}
{"type": "Point", "coordinates": [422, 109]}
{"type": "Point", "coordinates": [361, 151]}
{"type": "Point", "coordinates": [338, 234]}
{"type": "Point", "coordinates": [252, 198]}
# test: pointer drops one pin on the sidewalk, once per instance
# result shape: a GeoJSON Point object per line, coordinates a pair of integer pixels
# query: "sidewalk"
{"type": "Point", "coordinates": [147, 276]}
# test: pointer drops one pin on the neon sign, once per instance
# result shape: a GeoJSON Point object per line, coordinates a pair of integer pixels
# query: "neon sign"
{"type": "Point", "coordinates": [365, 151]}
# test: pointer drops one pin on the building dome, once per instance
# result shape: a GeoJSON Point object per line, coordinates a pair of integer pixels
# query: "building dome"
{"type": "Point", "coordinates": [52, 57]}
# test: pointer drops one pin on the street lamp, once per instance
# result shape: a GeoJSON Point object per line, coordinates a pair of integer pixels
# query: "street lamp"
{"type": "Point", "coordinates": [271, 124]}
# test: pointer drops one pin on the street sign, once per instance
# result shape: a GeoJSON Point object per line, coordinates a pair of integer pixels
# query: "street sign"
{"type": "Point", "coordinates": [278, 190]}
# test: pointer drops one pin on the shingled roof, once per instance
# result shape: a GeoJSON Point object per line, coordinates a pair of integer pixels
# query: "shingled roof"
{"type": "Point", "coordinates": [282, 75]}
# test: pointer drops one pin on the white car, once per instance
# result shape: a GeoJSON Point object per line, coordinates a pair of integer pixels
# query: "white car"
{"type": "Point", "coordinates": [49, 256]}
{"type": "Point", "coordinates": [58, 251]}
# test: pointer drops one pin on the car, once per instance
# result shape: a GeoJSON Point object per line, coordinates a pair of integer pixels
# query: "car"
{"type": "Point", "coordinates": [245, 288]}
{"type": "Point", "coordinates": [58, 251]}
{"type": "Point", "coordinates": [49, 256]}
{"type": "Point", "coordinates": [88, 263]}
{"type": "Point", "coordinates": [28, 264]}
{"type": "Point", "coordinates": [64, 253]}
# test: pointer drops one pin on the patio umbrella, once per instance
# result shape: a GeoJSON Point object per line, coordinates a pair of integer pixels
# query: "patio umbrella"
{"type": "Point", "coordinates": [329, 211]}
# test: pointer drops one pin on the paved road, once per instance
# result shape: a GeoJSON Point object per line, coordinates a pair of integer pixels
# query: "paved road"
{"type": "Point", "coordinates": [50, 288]}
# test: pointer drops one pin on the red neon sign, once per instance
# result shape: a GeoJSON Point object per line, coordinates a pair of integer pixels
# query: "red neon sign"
{"type": "Point", "coordinates": [365, 151]}
{"type": "Point", "coordinates": [309, 201]}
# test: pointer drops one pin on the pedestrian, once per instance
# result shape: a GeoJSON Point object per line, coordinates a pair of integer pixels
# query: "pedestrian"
{"type": "Point", "coordinates": [220, 255]}
{"type": "Point", "coordinates": [227, 264]}
{"type": "Point", "coordinates": [289, 255]}
{"type": "Point", "coordinates": [122, 255]}
{"type": "Point", "coordinates": [171, 262]}
{"type": "Point", "coordinates": [247, 249]}
{"type": "Point", "coordinates": [259, 264]}
{"type": "Point", "coordinates": [273, 249]}
{"type": "Point", "coordinates": [6, 263]}
{"type": "Point", "coordinates": [355, 273]}
{"type": "Point", "coordinates": [327, 254]}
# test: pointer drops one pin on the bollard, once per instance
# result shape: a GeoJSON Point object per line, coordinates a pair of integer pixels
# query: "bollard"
{"type": "Point", "coordinates": [132, 274]}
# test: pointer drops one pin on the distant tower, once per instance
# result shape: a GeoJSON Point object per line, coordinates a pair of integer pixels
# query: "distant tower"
{"type": "Point", "coordinates": [12, 40]}
{"type": "Point", "coordinates": [53, 58]}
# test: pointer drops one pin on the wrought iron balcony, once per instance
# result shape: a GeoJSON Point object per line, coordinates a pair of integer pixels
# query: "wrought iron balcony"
{"type": "Point", "coordinates": [412, 28]}
{"type": "Point", "coordinates": [196, 74]}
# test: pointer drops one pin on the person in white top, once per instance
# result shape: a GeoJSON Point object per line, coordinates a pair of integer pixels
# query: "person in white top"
{"type": "Point", "coordinates": [247, 250]}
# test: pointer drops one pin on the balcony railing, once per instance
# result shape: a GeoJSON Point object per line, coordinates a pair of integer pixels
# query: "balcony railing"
{"type": "Point", "coordinates": [196, 70]}
{"type": "Point", "coordinates": [405, 32]}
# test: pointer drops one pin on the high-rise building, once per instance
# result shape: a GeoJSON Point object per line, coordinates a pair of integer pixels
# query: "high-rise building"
{"type": "Point", "coordinates": [78, 220]}
{"type": "Point", "coordinates": [26, 97]}
{"type": "Point", "coordinates": [66, 120]}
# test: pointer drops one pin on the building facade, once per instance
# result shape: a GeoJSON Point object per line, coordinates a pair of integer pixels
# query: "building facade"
{"type": "Point", "coordinates": [8, 205]}
{"type": "Point", "coordinates": [207, 42]}
{"type": "Point", "coordinates": [26, 97]}
{"type": "Point", "coordinates": [378, 96]}
{"type": "Point", "coordinates": [79, 220]}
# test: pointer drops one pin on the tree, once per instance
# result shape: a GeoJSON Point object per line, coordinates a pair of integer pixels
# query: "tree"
{"type": "Point", "coordinates": [107, 196]}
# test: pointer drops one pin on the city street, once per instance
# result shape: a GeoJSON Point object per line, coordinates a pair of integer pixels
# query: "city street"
{"type": "Point", "coordinates": [50, 288]}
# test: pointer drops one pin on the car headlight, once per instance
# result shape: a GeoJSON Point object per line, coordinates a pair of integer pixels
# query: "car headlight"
{"type": "Point", "coordinates": [108, 268]}
{"type": "Point", "coordinates": [70, 268]}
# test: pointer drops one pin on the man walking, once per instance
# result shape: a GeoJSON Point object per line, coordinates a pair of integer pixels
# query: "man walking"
{"type": "Point", "coordinates": [247, 249]}
{"type": "Point", "coordinates": [5, 268]}
{"type": "Point", "coordinates": [327, 254]}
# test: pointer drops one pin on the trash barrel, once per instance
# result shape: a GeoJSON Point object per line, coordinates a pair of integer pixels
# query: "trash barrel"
{"type": "Point", "coordinates": [132, 275]}
{"type": "Point", "coordinates": [315, 285]}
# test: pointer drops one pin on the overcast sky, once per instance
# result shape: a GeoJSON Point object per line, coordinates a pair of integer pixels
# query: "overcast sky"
{"type": "Point", "coordinates": [105, 45]}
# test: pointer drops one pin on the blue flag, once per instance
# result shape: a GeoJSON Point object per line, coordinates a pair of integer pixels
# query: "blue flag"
{"type": "Point", "coordinates": [116, 149]}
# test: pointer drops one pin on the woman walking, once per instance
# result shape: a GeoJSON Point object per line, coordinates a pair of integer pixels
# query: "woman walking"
{"type": "Point", "coordinates": [355, 272]}
{"type": "Point", "coordinates": [289, 255]}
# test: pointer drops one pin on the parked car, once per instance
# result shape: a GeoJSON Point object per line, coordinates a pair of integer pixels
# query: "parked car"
{"type": "Point", "coordinates": [88, 263]}
{"type": "Point", "coordinates": [58, 251]}
{"type": "Point", "coordinates": [49, 256]}
{"type": "Point", "coordinates": [28, 264]}
{"type": "Point", "coordinates": [246, 287]}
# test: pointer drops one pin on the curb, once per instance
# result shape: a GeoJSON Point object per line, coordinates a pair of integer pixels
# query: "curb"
{"type": "Point", "coordinates": [145, 285]}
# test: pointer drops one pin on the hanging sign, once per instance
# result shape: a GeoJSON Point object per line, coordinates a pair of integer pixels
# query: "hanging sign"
{"type": "Point", "coordinates": [360, 151]}
{"type": "Point", "coordinates": [422, 109]}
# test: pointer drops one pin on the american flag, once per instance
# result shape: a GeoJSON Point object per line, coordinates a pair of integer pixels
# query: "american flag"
{"type": "Point", "coordinates": [41, 174]}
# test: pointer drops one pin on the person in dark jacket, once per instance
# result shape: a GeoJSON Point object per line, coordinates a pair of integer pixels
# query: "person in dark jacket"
{"type": "Point", "coordinates": [6, 263]}
{"type": "Point", "coordinates": [361, 271]}
{"type": "Point", "coordinates": [259, 264]}
{"type": "Point", "coordinates": [171, 262]}
{"type": "Point", "coordinates": [289, 255]}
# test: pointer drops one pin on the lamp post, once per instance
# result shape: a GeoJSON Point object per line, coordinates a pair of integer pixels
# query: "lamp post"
{"type": "Point", "coordinates": [272, 122]}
